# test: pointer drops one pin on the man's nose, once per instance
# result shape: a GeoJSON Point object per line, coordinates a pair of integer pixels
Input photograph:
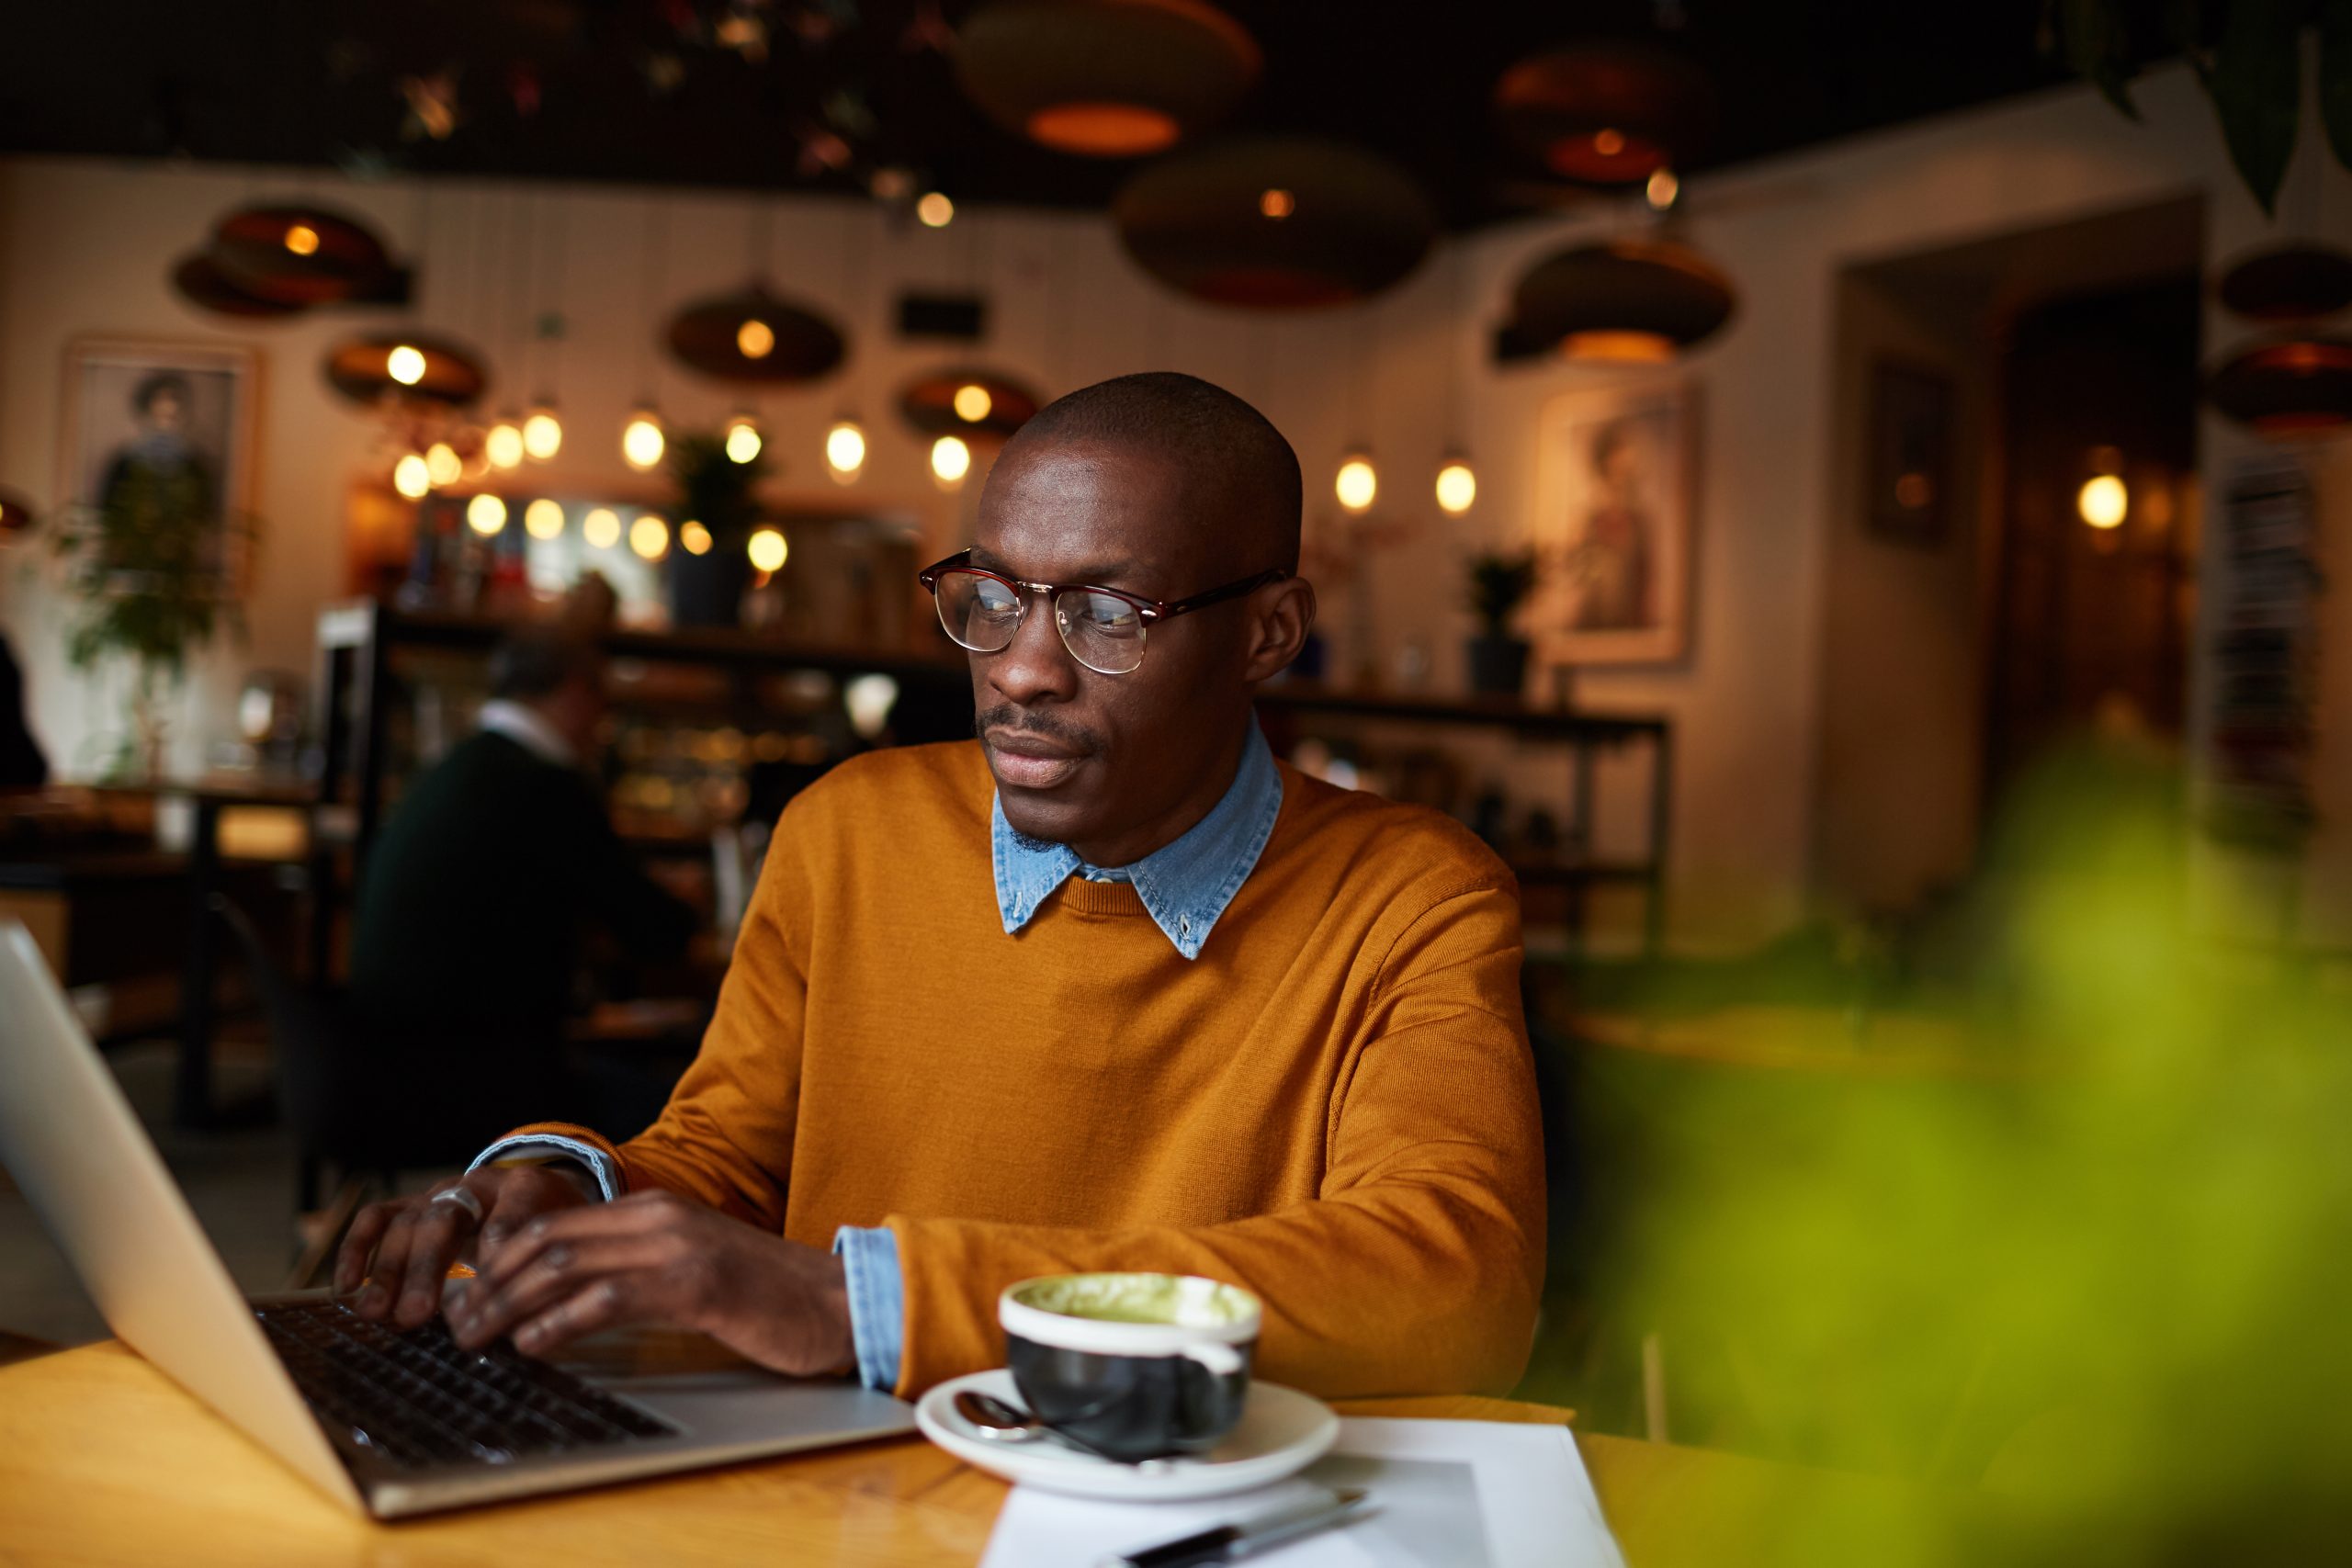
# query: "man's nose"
{"type": "Point", "coordinates": [1035, 666]}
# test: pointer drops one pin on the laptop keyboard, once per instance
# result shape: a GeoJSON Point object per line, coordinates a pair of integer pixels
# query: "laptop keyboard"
{"type": "Point", "coordinates": [413, 1397]}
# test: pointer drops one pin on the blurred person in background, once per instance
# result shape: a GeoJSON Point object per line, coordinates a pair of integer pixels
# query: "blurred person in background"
{"type": "Point", "coordinates": [22, 765]}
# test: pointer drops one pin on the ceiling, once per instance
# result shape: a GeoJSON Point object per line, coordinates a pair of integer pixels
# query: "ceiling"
{"type": "Point", "coordinates": [640, 91]}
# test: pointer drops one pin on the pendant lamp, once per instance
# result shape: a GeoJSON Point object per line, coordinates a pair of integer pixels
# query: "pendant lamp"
{"type": "Point", "coordinates": [298, 255]}
{"type": "Point", "coordinates": [2287, 283]}
{"type": "Point", "coordinates": [1275, 222]}
{"type": "Point", "coordinates": [368, 370]}
{"type": "Point", "coordinates": [755, 337]}
{"type": "Point", "coordinates": [1104, 78]}
{"type": "Point", "coordinates": [1605, 114]}
{"type": "Point", "coordinates": [2298, 385]}
{"type": "Point", "coordinates": [1635, 300]}
{"type": "Point", "coordinates": [973, 405]}
{"type": "Point", "coordinates": [196, 277]}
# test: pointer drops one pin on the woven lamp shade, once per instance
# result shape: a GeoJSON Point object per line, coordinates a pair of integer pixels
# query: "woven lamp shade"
{"type": "Point", "coordinates": [1633, 299]}
{"type": "Point", "coordinates": [2289, 283]}
{"type": "Point", "coordinates": [297, 255]}
{"type": "Point", "coordinates": [928, 405]}
{"type": "Point", "coordinates": [359, 369]}
{"type": "Point", "coordinates": [1605, 114]}
{"type": "Point", "coordinates": [717, 336]}
{"type": "Point", "coordinates": [2292, 386]}
{"type": "Point", "coordinates": [1104, 78]}
{"type": "Point", "coordinates": [1275, 222]}
{"type": "Point", "coordinates": [196, 277]}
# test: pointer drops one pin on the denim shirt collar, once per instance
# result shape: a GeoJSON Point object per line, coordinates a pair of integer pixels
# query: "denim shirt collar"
{"type": "Point", "coordinates": [1185, 886]}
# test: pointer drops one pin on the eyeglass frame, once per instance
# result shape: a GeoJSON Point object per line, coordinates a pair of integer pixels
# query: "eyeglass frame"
{"type": "Point", "coordinates": [1149, 611]}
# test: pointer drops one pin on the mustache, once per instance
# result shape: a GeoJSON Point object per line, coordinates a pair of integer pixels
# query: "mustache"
{"type": "Point", "coordinates": [1013, 720]}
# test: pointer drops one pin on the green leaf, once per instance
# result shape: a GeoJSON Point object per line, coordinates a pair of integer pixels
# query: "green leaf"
{"type": "Point", "coordinates": [2336, 76]}
{"type": "Point", "coordinates": [2096, 42]}
{"type": "Point", "coordinates": [2256, 85]}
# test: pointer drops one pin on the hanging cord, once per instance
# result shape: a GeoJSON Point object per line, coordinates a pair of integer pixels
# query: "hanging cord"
{"type": "Point", "coordinates": [551, 308]}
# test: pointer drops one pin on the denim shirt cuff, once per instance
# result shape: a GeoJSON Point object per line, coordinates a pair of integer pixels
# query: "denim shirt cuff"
{"type": "Point", "coordinates": [877, 1302]}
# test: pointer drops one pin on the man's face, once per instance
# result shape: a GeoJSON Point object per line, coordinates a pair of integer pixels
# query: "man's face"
{"type": "Point", "coordinates": [1082, 758]}
{"type": "Point", "coordinates": [163, 410]}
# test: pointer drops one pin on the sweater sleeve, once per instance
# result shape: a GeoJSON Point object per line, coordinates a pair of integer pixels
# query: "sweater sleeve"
{"type": "Point", "coordinates": [1417, 1267]}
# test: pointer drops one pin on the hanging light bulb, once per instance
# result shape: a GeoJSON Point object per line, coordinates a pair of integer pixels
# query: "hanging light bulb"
{"type": "Point", "coordinates": [642, 441]}
{"type": "Point", "coordinates": [950, 459]}
{"type": "Point", "coordinates": [768, 549]}
{"type": "Point", "coordinates": [934, 209]}
{"type": "Point", "coordinates": [601, 528]}
{"type": "Point", "coordinates": [2102, 500]}
{"type": "Point", "coordinates": [845, 450]}
{"type": "Point", "coordinates": [442, 463]}
{"type": "Point", "coordinates": [503, 444]}
{"type": "Point", "coordinates": [973, 402]}
{"type": "Point", "coordinates": [542, 434]}
{"type": "Point", "coordinates": [405, 364]}
{"type": "Point", "coordinates": [650, 536]}
{"type": "Point", "coordinates": [543, 519]}
{"type": "Point", "coordinates": [486, 515]}
{"type": "Point", "coordinates": [302, 239]}
{"type": "Point", "coordinates": [742, 439]}
{"type": "Point", "coordinates": [411, 478]}
{"type": "Point", "coordinates": [695, 537]}
{"type": "Point", "coordinates": [1457, 486]}
{"type": "Point", "coordinates": [754, 339]}
{"type": "Point", "coordinates": [1357, 483]}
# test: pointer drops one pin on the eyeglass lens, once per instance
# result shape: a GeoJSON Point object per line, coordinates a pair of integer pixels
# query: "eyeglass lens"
{"type": "Point", "coordinates": [1102, 631]}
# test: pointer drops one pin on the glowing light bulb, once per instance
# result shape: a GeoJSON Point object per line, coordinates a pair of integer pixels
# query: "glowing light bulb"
{"type": "Point", "coordinates": [755, 338]}
{"type": "Point", "coordinates": [973, 402]}
{"type": "Point", "coordinates": [601, 528]}
{"type": "Point", "coordinates": [505, 444]}
{"type": "Point", "coordinates": [950, 459]}
{"type": "Point", "coordinates": [934, 209]}
{"type": "Point", "coordinates": [650, 536]}
{"type": "Point", "coordinates": [1457, 487]}
{"type": "Point", "coordinates": [411, 476]}
{"type": "Point", "coordinates": [542, 435]}
{"type": "Point", "coordinates": [642, 441]}
{"type": "Point", "coordinates": [742, 440]}
{"type": "Point", "coordinates": [543, 519]}
{"type": "Point", "coordinates": [1357, 483]}
{"type": "Point", "coordinates": [442, 463]}
{"type": "Point", "coordinates": [302, 239]}
{"type": "Point", "coordinates": [2103, 501]}
{"type": "Point", "coordinates": [695, 537]}
{"type": "Point", "coordinates": [1663, 187]}
{"type": "Point", "coordinates": [1608, 142]}
{"type": "Point", "coordinates": [405, 364]}
{"type": "Point", "coordinates": [768, 550]}
{"type": "Point", "coordinates": [845, 450]}
{"type": "Point", "coordinates": [1276, 203]}
{"type": "Point", "coordinates": [485, 514]}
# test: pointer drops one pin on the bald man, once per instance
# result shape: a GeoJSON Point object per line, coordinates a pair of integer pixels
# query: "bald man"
{"type": "Point", "coordinates": [1109, 987]}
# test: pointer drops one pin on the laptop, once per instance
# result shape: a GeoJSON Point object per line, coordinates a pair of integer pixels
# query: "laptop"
{"type": "Point", "coordinates": [389, 1422]}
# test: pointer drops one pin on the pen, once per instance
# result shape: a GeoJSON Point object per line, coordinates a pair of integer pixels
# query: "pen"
{"type": "Point", "coordinates": [1229, 1543]}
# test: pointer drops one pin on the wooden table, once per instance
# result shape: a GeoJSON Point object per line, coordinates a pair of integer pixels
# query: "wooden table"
{"type": "Point", "coordinates": [103, 1460]}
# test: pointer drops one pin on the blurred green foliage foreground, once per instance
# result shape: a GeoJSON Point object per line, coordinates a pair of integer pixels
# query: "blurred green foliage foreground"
{"type": "Point", "coordinates": [2092, 1278]}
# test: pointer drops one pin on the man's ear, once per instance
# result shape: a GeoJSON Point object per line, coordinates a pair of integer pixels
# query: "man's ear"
{"type": "Point", "coordinates": [1280, 617]}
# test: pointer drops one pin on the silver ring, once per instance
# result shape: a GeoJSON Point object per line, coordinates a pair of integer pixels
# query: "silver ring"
{"type": "Point", "coordinates": [463, 1197]}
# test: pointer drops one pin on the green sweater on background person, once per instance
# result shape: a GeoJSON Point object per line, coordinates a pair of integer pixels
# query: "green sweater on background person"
{"type": "Point", "coordinates": [474, 898]}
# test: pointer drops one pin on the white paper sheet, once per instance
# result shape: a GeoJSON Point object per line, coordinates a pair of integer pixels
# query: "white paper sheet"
{"type": "Point", "coordinates": [1444, 1494]}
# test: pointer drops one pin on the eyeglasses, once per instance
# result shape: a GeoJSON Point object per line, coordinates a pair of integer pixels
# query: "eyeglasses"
{"type": "Point", "coordinates": [1102, 629]}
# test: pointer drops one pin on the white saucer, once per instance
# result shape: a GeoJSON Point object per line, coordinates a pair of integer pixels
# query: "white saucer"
{"type": "Point", "coordinates": [1282, 1432]}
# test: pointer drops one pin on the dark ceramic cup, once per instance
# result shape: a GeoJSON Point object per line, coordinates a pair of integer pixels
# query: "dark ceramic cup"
{"type": "Point", "coordinates": [1135, 1365]}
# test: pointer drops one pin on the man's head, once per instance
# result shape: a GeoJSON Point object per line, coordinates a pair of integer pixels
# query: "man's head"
{"type": "Point", "coordinates": [161, 401]}
{"type": "Point", "coordinates": [1159, 485]}
{"type": "Point", "coordinates": [559, 675]}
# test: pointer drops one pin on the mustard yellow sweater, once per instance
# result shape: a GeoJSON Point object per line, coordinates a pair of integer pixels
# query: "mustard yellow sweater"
{"type": "Point", "coordinates": [1332, 1106]}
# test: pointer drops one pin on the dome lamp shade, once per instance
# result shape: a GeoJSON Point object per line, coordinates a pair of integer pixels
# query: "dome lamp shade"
{"type": "Point", "coordinates": [754, 338]}
{"type": "Point", "coordinates": [1606, 114]}
{"type": "Point", "coordinates": [1275, 222]}
{"type": "Point", "coordinates": [929, 404]}
{"type": "Point", "coordinates": [1628, 299]}
{"type": "Point", "coordinates": [196, 277]}
{"type": "Point", "coordinates": [1104, 78]}
{"type": "Point", "coordinates": [403, 367]}
{"type": "Point", "coordinates": [2289, 283]}
{"type": "Point", "coordinates": [2300, 386]}
{"type": "Point", "coordinates": [298, 255]}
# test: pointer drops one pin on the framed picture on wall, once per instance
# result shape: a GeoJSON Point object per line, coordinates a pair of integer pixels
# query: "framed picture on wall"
{"type": "Point", "coordinates": [166, 426]}
{"type": "Point", "coordinates": [1910, 454]}
{"type": "Point", "coordinates": [1615, 495]}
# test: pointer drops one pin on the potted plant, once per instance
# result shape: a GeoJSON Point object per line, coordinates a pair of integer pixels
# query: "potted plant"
{"type": "Point", "coordinates": [715, 490]}
{"type": "Point", "coordinates": [151, 562]}
{"type": "Point", "coordinates": [1499, 583]}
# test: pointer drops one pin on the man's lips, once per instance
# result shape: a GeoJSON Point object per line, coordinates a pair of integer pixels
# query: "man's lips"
{"type": "Point", "coordinates": [1027, 760]}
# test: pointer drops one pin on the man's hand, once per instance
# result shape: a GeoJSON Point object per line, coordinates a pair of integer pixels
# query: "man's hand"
{"type": "Point", "coordinates": [397, 1252]}
{"type": "Point", "coordinates": [658, 1258]}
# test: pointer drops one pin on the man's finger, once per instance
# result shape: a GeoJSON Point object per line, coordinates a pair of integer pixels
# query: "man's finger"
{"type": "Point", "coordinates": [628, 1216]}
{"type": "Point", "coordinates": [384, 1270]}
{"type": "Point", "coordinates": [360, 1245]}
{"type": "Point", "coordinates": [484, 1311]}
{"type": "Point", "coordinates": [610, 1300]}
{"type": "Point", "coordinates": [432, 1242]}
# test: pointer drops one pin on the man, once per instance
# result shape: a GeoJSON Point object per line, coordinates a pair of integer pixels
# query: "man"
{"type": "Point", "coordinates": [1109, 989]}
{"type": "Point", "coordinates": [475, 897]}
